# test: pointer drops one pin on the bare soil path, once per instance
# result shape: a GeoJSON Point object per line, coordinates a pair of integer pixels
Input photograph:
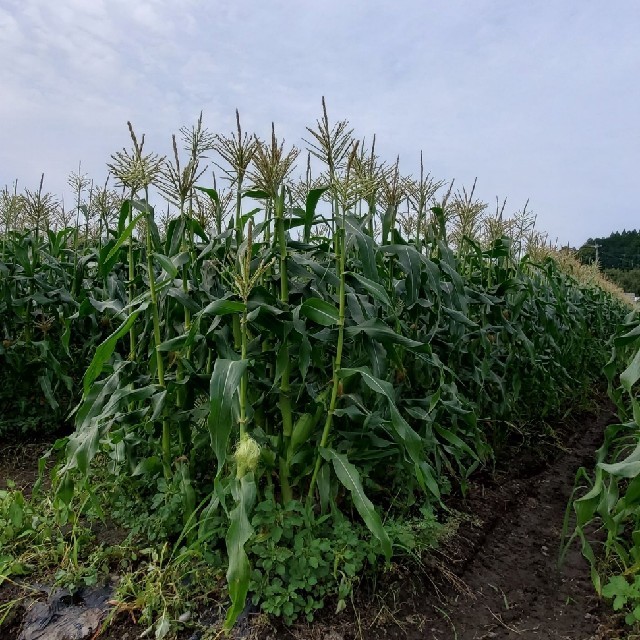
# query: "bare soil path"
{"type": "Point", "coordinates": [516, 587]}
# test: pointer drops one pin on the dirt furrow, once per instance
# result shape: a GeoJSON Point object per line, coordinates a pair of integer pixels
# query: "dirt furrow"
{"type": "Point", "coordinates": [515, 588]}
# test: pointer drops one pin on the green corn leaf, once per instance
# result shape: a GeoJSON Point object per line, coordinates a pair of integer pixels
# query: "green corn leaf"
{"type": "Point", "coordinates": [387, 220]}
{"type": "Point", "coordinates": [350, 478]}
{"type": "Point", "coordinates": [459, 317]}
{"type": "Point", "coordinates": [212, 193]}
{"type": "Point", "coordinates": [223, 388]}
{"type": "Point", "coordinates": [631, 374]}
{"type": "Point", "coordinates": [173, 344]}
{"type": "Point", "coordinates": [453, 439]}
{"type": "Point", "coordinates": [238, 534]}
{"type": "Point", "coordinates": [223, 307]}
{"type": "Point", "coordinates": [374, 289]}
{"type": "Point", "coordinates": [313, 197]}
{"type": "Point", "coordinates": [106, 305]}
{"type": "Point", "coordinates": [322, 272]}
{"type": "Point", "coordinates": [410, 439]}
{"type": "Point", "coordinates": [175, 236]}
{"type": "Point", "coordinates": [183, 298]}
{"type": "Point", "coordinates": [125, 210]}
{"type": "Point", "coordinates": [366, 248]}
{"type": "Point", "coordinates": [105, 350]}
{"type": "Point", "coordinates": [320, 311]}
{"type": "Point", "coordinates": [45, 385]}
{"type": "Point", "coordinates": [411, 263]}
{"type": "Point", "coordinates": [629, 337]}
{"type": "Point", "coordinates": [256, 194]}
{"type": "Point", "coordinates": [250, 215]}
{"type": "Point", "coordinates": [629, 467]}
{"type": "Point", "coordinates": [378, 330]}
{"type": "Point", "coordinates": [111, 258]}
{"type": "Point", "coordinates": [166, 264]}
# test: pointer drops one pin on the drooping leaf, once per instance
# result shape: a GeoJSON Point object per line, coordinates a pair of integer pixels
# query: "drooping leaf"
{"type": "Point", "coordinates": [166, 264]}
{"type": "Point", "coordinates": [105, 350]}
{"type": "Point", "coordinates": [374, 289]}
{"type": "Point", "coordinates": [238, 534]}
{"type": "Point", "coordinates": [350, 478]}
{"type": "Point", "coordinates": [313, 197]}
{"type": "Point", "coordinates": [320, 311]}
{"type": "Point", "coordinates": [223, 307]}
{"type": "Point", "coordinates": [223, 389]}
{"type": "Point", "coordinates": [378, 330]}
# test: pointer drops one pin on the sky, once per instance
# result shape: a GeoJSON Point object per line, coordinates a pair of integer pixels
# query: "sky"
{"type": "Point", "coordinates": [539, 100]}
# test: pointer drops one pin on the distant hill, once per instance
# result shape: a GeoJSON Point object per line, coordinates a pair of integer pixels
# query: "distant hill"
{"type": "Point", "coordinates": [619, 258]}
{"type": "Point", "coordinates": [621, 250]}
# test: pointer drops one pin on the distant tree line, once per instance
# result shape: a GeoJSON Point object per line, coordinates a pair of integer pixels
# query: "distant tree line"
{"type": "Point", "coordinates": [619, 257]}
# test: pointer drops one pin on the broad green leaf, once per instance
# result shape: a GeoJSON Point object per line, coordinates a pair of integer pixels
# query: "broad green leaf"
{"type": "Point", "coordinates": [410, 439]}
{"type": "Point", "coordinates": [223, 388]}
{"type": "Point", "coordinates": [105, 350]}
{"type": "Point", "coordinates": [112, 257]}
{"type": "Point", "coordinates": [45, 385]}
{"type": "Point", "coordinates": [313, 197]}
{"type": "Point", "coordinates": [223, 307]}
{"type": "Point", "coordinates": [166, 264]}
{"type": "Point", "coordinates": [320, 311]}
{"type": "Point", "coordinates": [411, 263]}
{"type": "Point", "coordinates": [148, 467]}
{"type": "Point", "coordinates": [173, 344]}
{"type": "Point", "coordinates": [378, 330]}
{"type": "Point", "coordinates": [256, 194]}
{"type": "Point", "coordinates": [387, 221]}
{"type": "Point", "coordinates": [366, 248]}
{"type": "Point", "coordinates": [212, 193]}
{"type": "Point", "coordinates": [125, 210]}
{"type": "Point", "coordinates": [238, 534]}
{"type": "Point", "coordinates": [350, 478]}
{"type": "Point", "coordinates": [106, 305]}
{"type": "Point", "coordinates": [376, 290]}
{"type": "Point", "coordinates": [622, 469]}
{"type": "Point", "coordinates": [453, 439]}
{"type": "Point", "coordinates": [459, 317]}
{"type": "Point", "coordinates": [631, 374]}
{"type": "Point", "coordinates": [183, 298]}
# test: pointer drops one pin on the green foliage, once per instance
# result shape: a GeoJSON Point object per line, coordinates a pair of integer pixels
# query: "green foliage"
{"type": "Point", "coordinates": [299, 560]}
{"type": "Point", "coordinates": [48, 327]}
{"type": "Point", "coordinates": [610, 497]}
{"type": "Point", "coordinates": [627, 279]}
{"type": "Point", "coordinates": [625, 596]}
{"type": "Point", "coordinates": [621, 250]}
{"type": "Point", "coordinates": [322, 379]}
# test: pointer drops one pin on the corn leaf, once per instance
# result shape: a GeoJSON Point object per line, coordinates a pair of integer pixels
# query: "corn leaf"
{"type": "Point", "coordinates": [350, 478]}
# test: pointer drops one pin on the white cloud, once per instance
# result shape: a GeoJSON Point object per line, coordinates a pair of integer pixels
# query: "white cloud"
{"type": "Point", "coordinates": [536, 99]}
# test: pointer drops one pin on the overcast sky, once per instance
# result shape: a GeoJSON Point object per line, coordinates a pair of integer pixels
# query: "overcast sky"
{"type": "Point", "coordinates": [538, 99]}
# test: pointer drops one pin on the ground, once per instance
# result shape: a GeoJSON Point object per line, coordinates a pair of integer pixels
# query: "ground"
{"type": "Point", "coordinates": [497, 578]}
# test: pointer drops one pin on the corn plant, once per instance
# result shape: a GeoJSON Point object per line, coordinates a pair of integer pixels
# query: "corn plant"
{"type": "Point", "coordinates": [324, 352]}
{"type": "Point", "coordinates": [607, 497]}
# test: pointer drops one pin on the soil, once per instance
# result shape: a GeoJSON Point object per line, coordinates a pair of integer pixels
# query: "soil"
{"type": "Point", "coordinates": [496, 578]}
{"type": "Point", "coordinates": [19, 463]}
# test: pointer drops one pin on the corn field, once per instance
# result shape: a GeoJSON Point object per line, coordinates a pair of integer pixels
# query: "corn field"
{"type": "Point", "coordinates": [350, 345]}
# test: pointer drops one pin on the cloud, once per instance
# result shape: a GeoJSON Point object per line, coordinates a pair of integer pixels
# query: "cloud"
{"type": "Point", "coordinates": [536, 99]}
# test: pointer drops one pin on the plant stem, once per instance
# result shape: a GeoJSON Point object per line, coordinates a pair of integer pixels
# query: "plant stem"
{"type": "Point", "coordinates": [340, 263]}
{"type": "Point", "coordinates": [166, 434]}
{"type": "Point", "coordinates": [285, 400]}
{"type": "Point", "coordinates": [132, 275]}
